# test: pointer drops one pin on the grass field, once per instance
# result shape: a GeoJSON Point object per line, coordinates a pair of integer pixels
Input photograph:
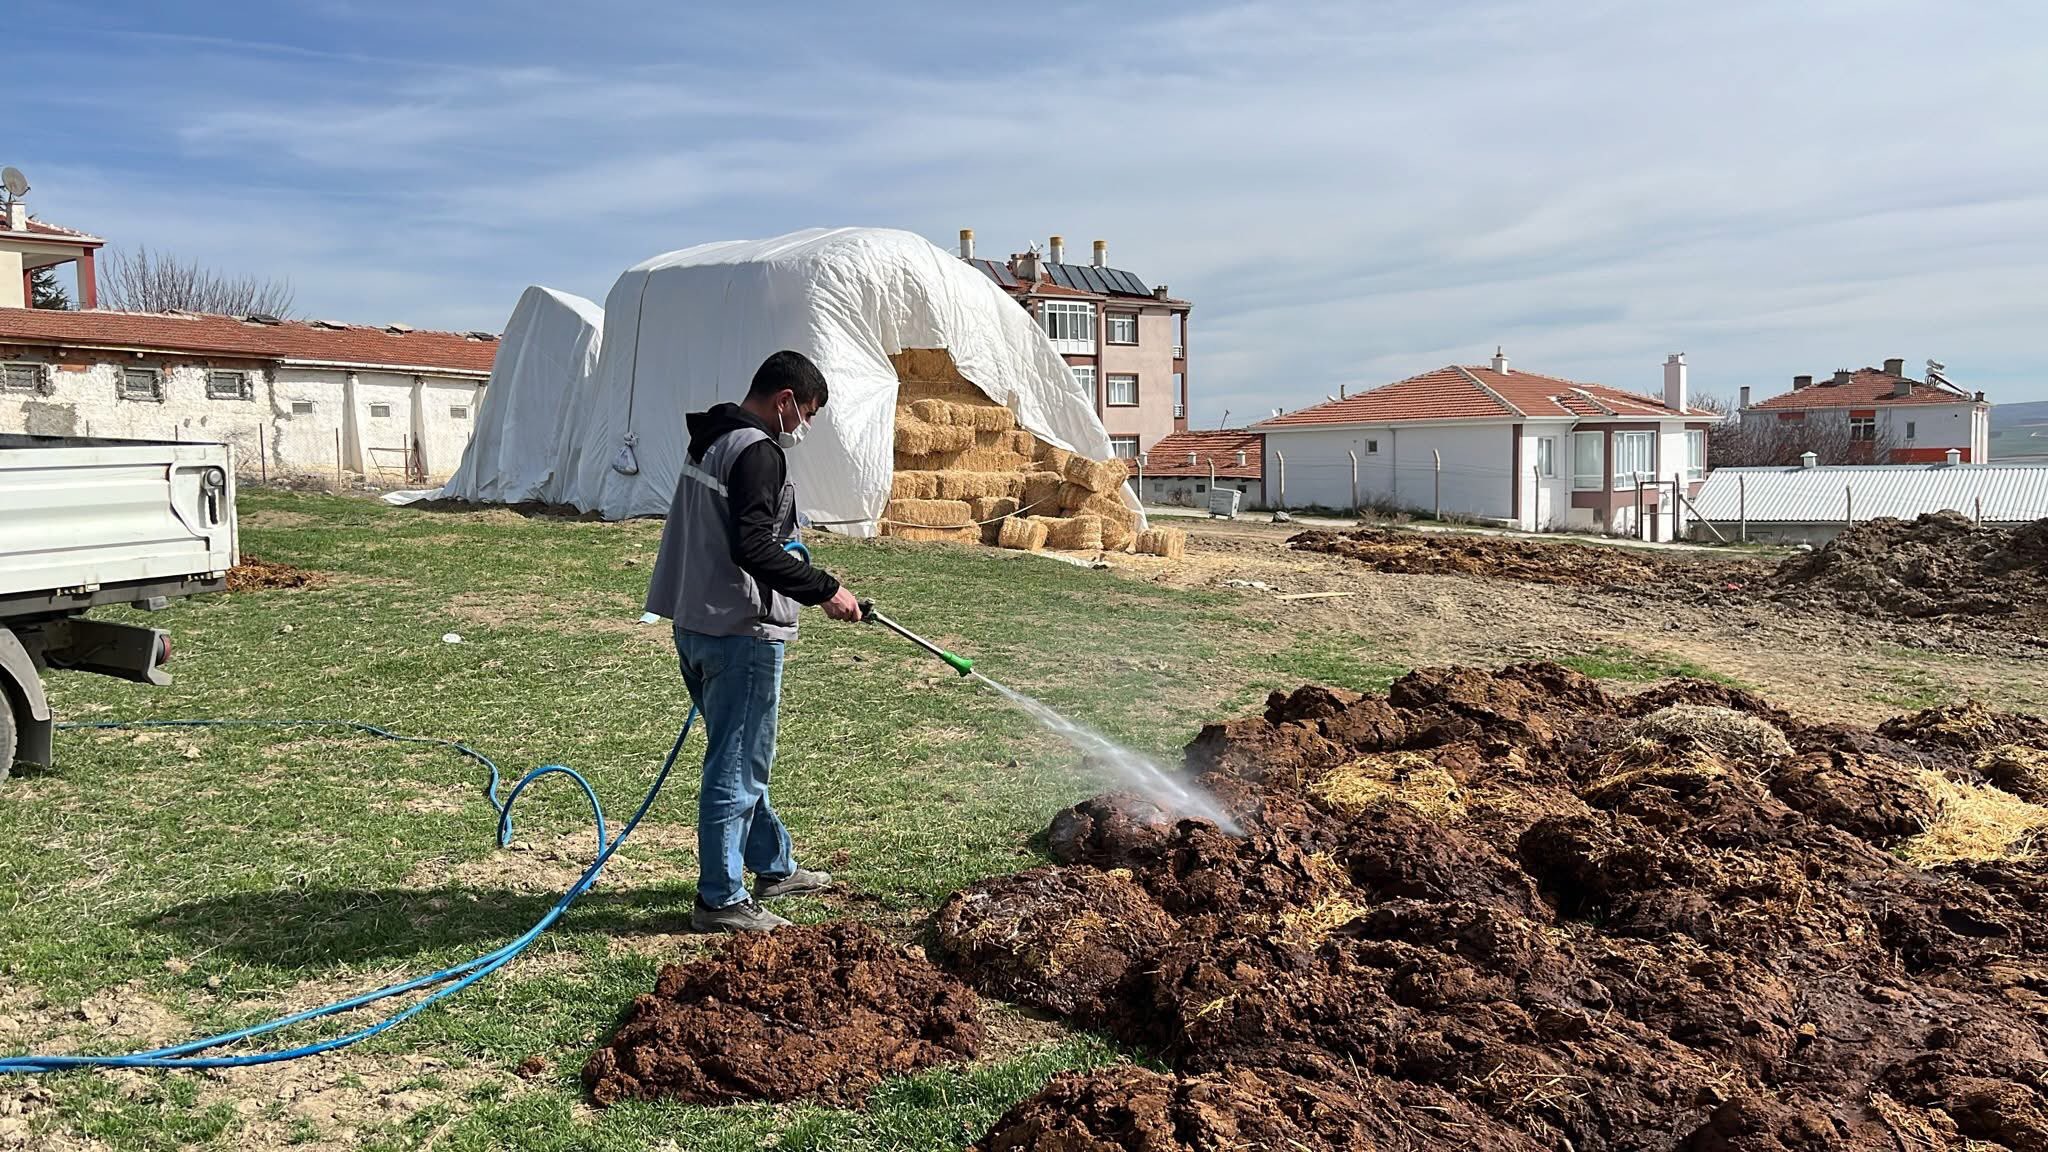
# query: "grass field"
{"type": "Point", "coordinates": [164, 882]}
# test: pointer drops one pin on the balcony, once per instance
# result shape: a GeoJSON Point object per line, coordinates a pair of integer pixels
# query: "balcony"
{"type": "Point", "coordinates": [1180, 411]}
{"type": "Point", "coordinates": [1180, 352]}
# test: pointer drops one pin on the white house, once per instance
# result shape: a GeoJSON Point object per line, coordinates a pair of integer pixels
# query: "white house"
{"type": "Point", "coordinates": [1499, 444]}
{"type": "Point", "coordinates": [1890, 414]}
{"type": "Point", "coordinates": [289, 397]}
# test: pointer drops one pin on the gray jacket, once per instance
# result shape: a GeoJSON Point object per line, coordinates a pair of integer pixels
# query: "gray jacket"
{"type": "Point", "coordinates": [697, 581]}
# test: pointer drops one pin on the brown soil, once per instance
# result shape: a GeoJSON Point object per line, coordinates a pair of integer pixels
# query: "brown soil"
{"type": "Point", "coordinates": [1938, 565]}
{"type": "Point", "coordinates": [821, 1012]}
{"type": "Point", "coordinates": [253, 575]}
{"type": "Point", "coordinates": [1628, 933]}
{"type": "Point", "coordinates": [1507, 558]}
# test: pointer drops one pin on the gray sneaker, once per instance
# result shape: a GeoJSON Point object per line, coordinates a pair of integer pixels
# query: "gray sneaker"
{"type": "Point", "coordinates": [745, 916]}
{"type": "Point", "coordinates": [797, 883]}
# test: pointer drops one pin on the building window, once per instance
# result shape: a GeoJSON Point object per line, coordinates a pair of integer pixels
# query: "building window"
{"type": "Point", "coordinates": [302, 407]}
{"type": "Point", "coordinates": [458, 412]}
{"type": "Point", "coordinates": [1123, 327]}
{"type": "Point", "coordinates": [1635, 456]}
{"type": "Point", "coordinates": [1123, 446]}
{"type": "Point", "coordinates": [1200, 488]}
{"type": "Point", "coordinates": [1909, 429]}
{"type": "Point", "coordinates": [380, 411]}
{"type": "Point", "coordinates": [1123, 389]}
{"type": "Point", "coordinates": [1863, 429]}
{"type": "Point", "coordinates": [1084, 375]}
{"type": "Point", "coordinates": [142, 384]}
{"type": "Point", "coordinates": [1071, 326]}
{"type": "Point", "coordinates": [1587, 466]}
{"type": "Point", "coordinates": [1546, 457]}
{"type": "Point", "coordinates": [1372, 447]}
{"type": "Point", "coordinates": [228, 386]}
{"type": "Point", "coordinates": [1695, 454]}
{"type": "Point", "coordinates": [21, 376]}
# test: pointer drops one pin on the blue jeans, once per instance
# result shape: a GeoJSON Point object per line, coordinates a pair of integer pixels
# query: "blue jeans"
{"type": "Point", "coordinates": [736, 682]}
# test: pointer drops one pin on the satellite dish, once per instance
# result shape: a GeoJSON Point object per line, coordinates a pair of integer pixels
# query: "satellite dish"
{"type": "Point", "coordinates": [15, 183]}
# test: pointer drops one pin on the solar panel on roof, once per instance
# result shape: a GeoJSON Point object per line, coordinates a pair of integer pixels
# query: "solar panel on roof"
{"type": "Point", "coordinates": [1096, 282]}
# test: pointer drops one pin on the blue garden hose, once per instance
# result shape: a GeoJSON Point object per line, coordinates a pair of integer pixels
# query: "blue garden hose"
{"type": "Point", "coordinates": [452, 980]}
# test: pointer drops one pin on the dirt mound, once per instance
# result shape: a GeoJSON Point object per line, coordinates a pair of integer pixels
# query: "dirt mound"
{"type": "Point", "coordinates": [1938, 565]}
{"type": "Point", "coordinates": [821, 1012]}
{"type": "Point", "coordinates": [253, 575]}
{"type": "Point", "coordinates": [1682, 919]}
{"type": "Point", "coordinates": [1508, 558]}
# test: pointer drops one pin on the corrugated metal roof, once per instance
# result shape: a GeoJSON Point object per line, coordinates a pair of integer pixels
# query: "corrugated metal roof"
{"type": "Point", "coordinates": [2010, 493]}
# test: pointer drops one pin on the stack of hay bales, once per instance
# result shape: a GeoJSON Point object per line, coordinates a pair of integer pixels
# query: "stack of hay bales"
{"type": "Point", "coordinates": [966, 472]}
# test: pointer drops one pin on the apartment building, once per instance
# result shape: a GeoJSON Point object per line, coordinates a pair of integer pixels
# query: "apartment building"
{"type": "Point", "coordinates": [1126, 342]}
{"type": "Point", "coordinates": [1886, 416]}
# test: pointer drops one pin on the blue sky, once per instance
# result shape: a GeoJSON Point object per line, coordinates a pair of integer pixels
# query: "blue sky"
{"type": "Point", "coordinates": [1350, 193]}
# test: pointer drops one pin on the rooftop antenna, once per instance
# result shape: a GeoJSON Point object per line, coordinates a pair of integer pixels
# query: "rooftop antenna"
{"type": "Point", "coordinates": [14, 183]}
{"type": "Point", "coordinates": [1225, 422]}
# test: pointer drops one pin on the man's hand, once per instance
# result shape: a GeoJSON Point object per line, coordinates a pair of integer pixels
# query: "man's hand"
{"type": "Point", "coordinates": [842, 605]}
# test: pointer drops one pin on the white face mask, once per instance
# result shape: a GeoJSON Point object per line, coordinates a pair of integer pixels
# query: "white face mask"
{"type": "Point", "coordinates": [788, 437]}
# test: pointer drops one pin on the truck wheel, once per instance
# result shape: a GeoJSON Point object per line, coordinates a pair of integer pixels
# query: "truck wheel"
{"type": "Point", "coordinates": [7, 735]}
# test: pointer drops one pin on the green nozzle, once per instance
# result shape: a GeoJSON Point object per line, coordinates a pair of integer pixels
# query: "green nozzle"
{"type": "Point", "coordinates": [960, 664]}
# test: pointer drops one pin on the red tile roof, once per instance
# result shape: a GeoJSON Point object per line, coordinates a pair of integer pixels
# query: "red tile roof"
{"type": "Point", "coordinates": [37, 227]}
{"type": "Point", "coordinates": [1868, 388]}
{"type": "Point", "coordinates": [225, 335]}
{"type": "Point", "coordinates": [1169, 457]}
{"type": "Point", "coordinates": [1477, 393]}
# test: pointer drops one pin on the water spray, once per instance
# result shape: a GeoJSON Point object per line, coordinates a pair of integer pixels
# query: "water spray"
{"type": "Point", "coordinates": [1171, 793]}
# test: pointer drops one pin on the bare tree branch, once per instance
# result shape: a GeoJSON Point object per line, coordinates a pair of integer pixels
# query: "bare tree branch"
{"type": "Point", "coordinates": [160, 282]}
{"type": "Point", "coordinates": [1764, 440]}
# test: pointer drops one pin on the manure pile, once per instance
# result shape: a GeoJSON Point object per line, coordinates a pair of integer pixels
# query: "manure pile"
{"type": "Point", "coordinates": [1510, 910]}
{"type": "Point", "coordinates": [1461, 554]}
{"type": "Point", "coordinates": [1941, 564]}
{"type": "Point", "coordinates": [966, 472]}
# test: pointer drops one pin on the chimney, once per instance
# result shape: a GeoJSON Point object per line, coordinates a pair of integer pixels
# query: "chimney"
{"type": "Point", "coordinates": [1841, 376]}
{"type": "Point", "coordinates": [1102, 253]}
{"type": "Point", "coordinates": [1808, 460]}
{"type": "Point", "coordinates": [17, 216]}
{"type": "Point", "coordinates": [1341, 394]}
{"type": "Point", "coordinates": [1745, 397]}
{"type": "Point", "coordinates": [1160, 292]}
{"type": "Point", "coordinates": [1191, 459]}
{"type": "Point", "coordinates": [967, 243]}
{"type": "Point", "coordinates": [1024, 266]}
{"type": "Point", "coordinates": [1057, 250]}
{"type": "Point", "coordinates": [1953, 456]}
{"type": "Point", "coordinates": [1240, 457]}
{"type": "Point", "coordinates": [1674, 382]}
{"type": "Point", "coordinates": [1799, 382]}
{"type": "Point", "coordinates": [1895, 366]}
{"type": "Point", "coordinates": [1500, 361]}
{"type": "Point", "coordinates": [1902, 387]}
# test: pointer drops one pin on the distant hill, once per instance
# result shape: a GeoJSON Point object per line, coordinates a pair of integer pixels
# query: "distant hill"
{"type": "Point", "coordinates": [2020, 431]}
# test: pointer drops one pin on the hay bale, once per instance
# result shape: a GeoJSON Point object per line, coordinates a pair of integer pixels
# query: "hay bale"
{"type": "Point", "coordinates": [1095, 475]}
{"type": "Point", "coordinates": [921, 438]}
{"type": "Point", "coordinates": [987, 508]}
{"type": "Point", "coordinates": [1041, 493]}
{"type": "Point", "coordinates": [1171, 543]}
{"type": "Point", "coordinates": [1053, 459]}
{"type": "Point", "coordinates": [938, 412]}
{"type": "Point", "coordinates": [913, 485]}
{"type": "Point", "coordinates": [1736, 735]}
{"type": "Point", "coordinates": [1019, 441]}
{"type": "Point", "coordinates": [928, 513]}
{"type": "Point", "coordinates": [973, 485]}
{"type": "Point", "coordinates": [913, 532]}
{"type": "Point", "coordinates": [927, 366]}
{"type": "Point", "coordinates": [1022, 535]}
{"type": "Point", "coordinates": [1073, 533]}
{"type": "Point", "coordinates": [989, 418]}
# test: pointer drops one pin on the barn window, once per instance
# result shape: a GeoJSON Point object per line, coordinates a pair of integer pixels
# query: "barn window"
{"type": "Point", "coordinates": [142, 384]}
{"type": "Point", "coordinates": [21, 376]}
{"type": "Point", "coordinates": [380, 411]}
{"type": "Point", "coordinates": [228, 386]}
{"type": "Point", "coordinates": [302, 407]}
{"type": "Point", "coordinates": [458, 412]}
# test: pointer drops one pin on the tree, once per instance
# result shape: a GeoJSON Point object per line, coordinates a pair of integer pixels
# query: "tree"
{"type": "Point", "coordinates": [160, 282]}
{"type": "Point", "coordinates": [45, 292]}
{"type": "Point", "coordinates": [1764, 441]}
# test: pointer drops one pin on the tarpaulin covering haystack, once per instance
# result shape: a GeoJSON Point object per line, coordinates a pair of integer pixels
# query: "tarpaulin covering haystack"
{"type": "Point", "coordinates": [532, 406]}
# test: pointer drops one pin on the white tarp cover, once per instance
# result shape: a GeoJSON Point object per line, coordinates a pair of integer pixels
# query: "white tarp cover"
{"type": "Point", "coordinates": [686, 330]}
{"type": "Point", "coordinates": [546, 361]}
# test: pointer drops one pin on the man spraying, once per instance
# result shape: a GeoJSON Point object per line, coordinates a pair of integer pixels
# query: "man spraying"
{"type": "Point", "coordinates": [732, 587]}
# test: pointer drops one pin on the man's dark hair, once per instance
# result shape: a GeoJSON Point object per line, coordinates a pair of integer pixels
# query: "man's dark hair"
{"type": "Point", "coordinates": [791, 370]}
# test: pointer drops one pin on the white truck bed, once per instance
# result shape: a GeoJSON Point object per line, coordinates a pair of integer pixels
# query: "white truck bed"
{"type": "Point", "coordinates": [86, 522]}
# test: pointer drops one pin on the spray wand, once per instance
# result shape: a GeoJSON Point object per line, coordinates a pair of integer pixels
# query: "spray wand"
{"type": "Point", "coordinates": [961, 664]}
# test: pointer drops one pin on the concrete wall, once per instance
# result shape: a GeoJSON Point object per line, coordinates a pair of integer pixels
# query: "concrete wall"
{"type": "Point", "coordinates": [85, 399]}
{"type": "Point", "coordinates": [1545, 502]}
{"type": "Point", "coordinates": [1395, 467]}
{"type": "Point", "coordinates": [1151, 360]}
